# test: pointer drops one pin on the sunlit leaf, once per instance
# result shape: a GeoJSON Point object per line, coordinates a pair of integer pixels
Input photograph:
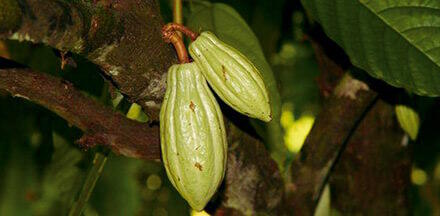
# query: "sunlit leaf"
{"type": "Point", "coordinates": [408, 119]}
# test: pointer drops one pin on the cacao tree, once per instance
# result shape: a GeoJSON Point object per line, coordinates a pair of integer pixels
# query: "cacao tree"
{"type": "Point", "coordinates": [311, 107]}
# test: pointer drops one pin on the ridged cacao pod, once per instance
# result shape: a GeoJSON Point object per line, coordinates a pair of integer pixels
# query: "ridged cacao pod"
{"type": "Point", "coordinates": [232, 76]}
{"type": "Point", "coordinates": [193, 137]}
{"type": "Point", "coordinates": [408, 119]}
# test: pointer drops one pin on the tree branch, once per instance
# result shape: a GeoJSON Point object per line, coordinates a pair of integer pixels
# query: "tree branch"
{"type": "Point", "coordinates": [122, 37]}
{"type": "Point", "coordinates": [333, 128]}
{"type": "Point", "coordinates": [339, 118]}
{"type": "Point", "coordinates": [101, 125]}
{"type": "Point", "coordinates": [373, 175]}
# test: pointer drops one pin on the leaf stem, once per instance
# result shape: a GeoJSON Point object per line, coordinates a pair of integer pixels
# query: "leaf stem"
{"type": "Point", "coordinates": [92, 177]}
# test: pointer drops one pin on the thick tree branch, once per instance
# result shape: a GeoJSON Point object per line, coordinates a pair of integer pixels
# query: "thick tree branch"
{"type": "Point", "coordinates": [332, 130]}
{"type": "Point", "coordinates": [122, 37]}
{"type": "Point", "coordinates": [101, 125]}
{"type": "Point", "coordinates": [373, 175]}
{"type": "Point", "coordinates": [347, 102]}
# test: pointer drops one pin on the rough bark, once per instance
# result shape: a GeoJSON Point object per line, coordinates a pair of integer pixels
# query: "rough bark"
{"type": "Point", "coordinates": [346, 103]}
{"type": "Point", "coordinates": [253, 183]}
{"type": "Point", "coordinates": [340, 124]}
{"type": "Point", "coordinates": [373, 175]}
{"type": "Point", "coordinates": [100, 124]}
{"type": "Point", "coordinates": [333, 128]}
{"type": "Point", "coordinates": [122, 37]}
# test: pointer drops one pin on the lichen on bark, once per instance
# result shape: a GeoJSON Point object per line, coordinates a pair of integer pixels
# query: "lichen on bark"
{"type": "Point", "coordinates": [122, 37]}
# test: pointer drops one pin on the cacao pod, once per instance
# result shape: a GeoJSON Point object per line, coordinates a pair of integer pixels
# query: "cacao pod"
{"type": "Point", "coordinates": [408, 119]}
{"type": "Point", "coordinates": [232, 76]}
{"type": "Point", "coordinates": [193, 137]}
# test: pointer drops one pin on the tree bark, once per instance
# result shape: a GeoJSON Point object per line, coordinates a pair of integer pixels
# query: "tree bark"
{"type": "Point", "coordinates": [373, 175]}
{"type": "Point", "coordinates": [122, 37]}
{"type": "Point", "coordinates": [332, 130]}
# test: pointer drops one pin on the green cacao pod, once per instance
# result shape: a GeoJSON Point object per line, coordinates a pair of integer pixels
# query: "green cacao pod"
{"type": "Point", "coordinates": [232, 76]}
{"type": "Point", "coordinates": [408, 119]}
{"type": "Point", "coordinates": [193, 137]}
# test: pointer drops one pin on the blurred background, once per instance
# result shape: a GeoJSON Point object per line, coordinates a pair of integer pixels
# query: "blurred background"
{"type": "Point", "coordinates": [42, 171]}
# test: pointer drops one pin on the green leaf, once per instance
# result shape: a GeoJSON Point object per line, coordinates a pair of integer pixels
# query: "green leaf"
{"type": "Point", "coordinates": [397, 41]}
{"type": "Point", "coordinates": [230, 27]}
{"type": "Point", "coordinates": [408, 119]}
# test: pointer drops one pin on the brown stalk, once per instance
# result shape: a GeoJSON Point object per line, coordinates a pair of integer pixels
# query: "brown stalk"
{"type": "Point", "coordinates": [170, 27]}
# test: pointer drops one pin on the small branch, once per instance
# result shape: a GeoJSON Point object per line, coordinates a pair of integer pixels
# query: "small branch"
{"type": "Point", "coordinates": [331, 72]}
{"type": "Point", "coordinates": [99, 123]}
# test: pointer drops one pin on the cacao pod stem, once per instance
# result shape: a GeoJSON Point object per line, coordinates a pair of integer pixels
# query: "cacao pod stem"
{"type": "Point", "coordinates": [176, 40]}
{"type": "Point", "coordinates": [172, 27]}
